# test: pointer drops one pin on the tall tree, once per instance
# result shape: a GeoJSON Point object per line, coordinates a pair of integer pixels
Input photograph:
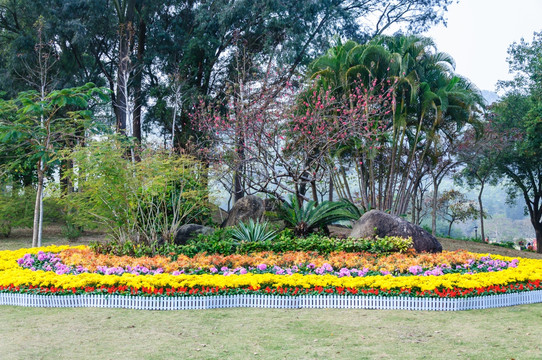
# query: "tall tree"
{"type": "Point", "coordinates": [429, 102]}
{"type": "Point", "coordinates": [480, 152]}
{"type": "Point", "coordinates": [38, 124]}
{"type": "Point", "coordinates": [519, 118]}
{"type": "Point", "coordinates": [132, 44]}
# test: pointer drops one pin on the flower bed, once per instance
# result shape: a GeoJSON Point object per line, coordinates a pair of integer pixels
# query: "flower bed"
{"type": "Point", "coordinates": [446, 275]}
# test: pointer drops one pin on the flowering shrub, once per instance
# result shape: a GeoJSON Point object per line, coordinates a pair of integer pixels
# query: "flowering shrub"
{"type": "Point", "coordinates": [463, 274]}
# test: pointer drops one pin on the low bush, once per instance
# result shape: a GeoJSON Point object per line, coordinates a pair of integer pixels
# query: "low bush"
{"type": "Point", "coordinates": [286, 241]}
{"type": "Point", "coordinates": [222, 242]}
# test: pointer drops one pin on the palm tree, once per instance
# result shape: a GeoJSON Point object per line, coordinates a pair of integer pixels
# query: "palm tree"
{"type": "Point", "coordinates": [426, 96]}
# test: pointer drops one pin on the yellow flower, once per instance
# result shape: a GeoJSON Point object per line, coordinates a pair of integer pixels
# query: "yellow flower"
{"type": "Point", "coordinates": [12, 274]}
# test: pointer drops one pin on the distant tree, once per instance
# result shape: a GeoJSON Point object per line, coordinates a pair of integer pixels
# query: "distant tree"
{"type": "Point", "coordinates": [454, 206]}
{"type": "Point", "coordinates": [480, 152]}
{"type": "Point", "coordinates": [518, 121]}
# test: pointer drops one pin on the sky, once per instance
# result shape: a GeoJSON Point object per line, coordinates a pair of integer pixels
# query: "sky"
{"type": "Point", "coordinates": [479, 32]}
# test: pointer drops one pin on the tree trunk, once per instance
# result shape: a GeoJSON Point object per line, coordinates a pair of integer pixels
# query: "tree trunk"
{"type": "Point", "coordinates": [314, 191]}
{"type": "Point", "coordinates": [138, 99]}
{"type": "Point", "coordinates": [346, 186]}
{"type": "Point", "coordinates": [434, 209]}
{"type": "Point", "coordinates": [538, 232]}
{"type": "Point", "coordinates": [330, 186]}
{"type": "Point", "coordinates": [125, 37]}
{"type": "Point", "coordinates": [38, 217]}
{"type": "Point", "coordinates": [482, 232]}
{"type": "Point", "coordinates": [414, 208]}
{"type": "Point", "coordinates": [238, 192]}
{"type": "Point", "coordinates": [450, 228]}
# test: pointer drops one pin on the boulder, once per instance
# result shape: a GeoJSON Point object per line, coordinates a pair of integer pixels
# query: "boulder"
{"type": "Point", "coordinates": [189, 231]}
{"type": "Point", "coordinates": [271, 205]}
{"type": "Point", "coordinates": [248, 207]}
{"type": "Point", "coordinates": [378, 223]}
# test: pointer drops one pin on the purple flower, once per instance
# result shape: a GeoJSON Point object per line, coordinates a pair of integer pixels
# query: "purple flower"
{"type": "Point", "coordinates": [415, 270]}
{"type": "Point", "coordinates": [261, 267]}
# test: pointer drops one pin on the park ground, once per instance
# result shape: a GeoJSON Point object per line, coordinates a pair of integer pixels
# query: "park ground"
{"type": "Point", "coordinates": [90, 333]}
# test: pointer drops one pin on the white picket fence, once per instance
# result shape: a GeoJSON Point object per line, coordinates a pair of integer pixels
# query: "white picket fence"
{"type": "Point", "coordinates": [271, 301]}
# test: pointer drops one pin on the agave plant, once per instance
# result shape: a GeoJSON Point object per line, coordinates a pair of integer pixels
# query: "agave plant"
{"type": "Point", "coordinates": [252, 231]}
{"type": "Point", "coordinates": [309, 216]}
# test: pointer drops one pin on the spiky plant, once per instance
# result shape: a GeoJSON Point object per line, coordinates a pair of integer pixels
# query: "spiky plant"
{"type": "Point", "coordinates": [309, 216]}
{"type": "Point", "coordinates": [352, 208]}
{"type": "Point", "coordinates": [252, 231]}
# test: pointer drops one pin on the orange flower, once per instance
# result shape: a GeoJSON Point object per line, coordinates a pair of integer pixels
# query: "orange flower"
{"type": "Point", "coordinates": [400, 262]}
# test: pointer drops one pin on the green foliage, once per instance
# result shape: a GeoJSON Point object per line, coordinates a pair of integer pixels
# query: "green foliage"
{"type": "Point", "coordinates": [144, 201]}
{"type": "Point", "coordinates": [71, 231]}
{"type": "Point", "coordinates": [124, 248]}
{"type": "Point", "coordinates": [517, 121]}
{"type": "Point", "coordinates": [17, 209]}
{"type": "Point", "coordinates": [506, 244]}
{"type": "Point", "coordinates": [221, 243]}
{"type": "Point", "coordinates": [454, 206]}
{"type": "Point", "coordinates": [252, 231]}
{"type": "Point", "coordinates": [309, 216]}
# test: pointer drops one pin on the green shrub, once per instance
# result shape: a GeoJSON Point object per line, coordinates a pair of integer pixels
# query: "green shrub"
{"type": "Point", "coordinates": [17, 209]}
{"type": "Point", "coordinates": [252, 231]}
{"type": "Point", "coordinates": [221, 242]}
{"type": "Point", "coordinates": [506, 244]}
{"type": "Point", "coordinates": [307, 217]}
{"type": "Point", "coordinates": [136, 202]}
{"type": "Point", "coordinates": [71, 231]}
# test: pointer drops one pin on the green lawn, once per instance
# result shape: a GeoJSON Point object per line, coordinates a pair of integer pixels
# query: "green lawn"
{"type": "Point", "coordinates": [33, 333]}
{"type": "Point", "coordinates": [88, 333]}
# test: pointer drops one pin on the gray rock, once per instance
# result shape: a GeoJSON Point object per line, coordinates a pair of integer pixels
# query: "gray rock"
{"type": "Point", "coordinates": [189, 231]}
{"type": "Point", "coordinates": [248, 207]}
{"type": "Point", "coordinates": [391, 225]}
{"type": "Point", "coordinates": [271, 205]}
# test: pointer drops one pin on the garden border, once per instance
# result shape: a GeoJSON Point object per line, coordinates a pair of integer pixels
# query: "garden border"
{"type": "Point", "coordinates": [272, 301]}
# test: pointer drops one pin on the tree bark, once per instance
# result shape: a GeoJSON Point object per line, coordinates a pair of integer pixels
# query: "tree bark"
{"type": "Point", "coordinates": [138, 99]}
{"type": "Point", "coordinates": [434, 209]}
{"type": "Point", "coordinates": [482, 232]}
{"type": "Point", "coordinates": [314, 191]}
{"type": "Point", "coordinates": [330, 186]}
{"type": "Point", "coordinates": [538, 232]}
{"type": "Point", "coordinates": [123, 72]}
{"type": "Point", "coordinates": [36, 230]}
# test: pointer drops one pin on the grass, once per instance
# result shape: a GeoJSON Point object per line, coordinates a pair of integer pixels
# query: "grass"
{"type": "Point", "coordinates": [89, 333]}
{"type": "Point", "coordinates": [36, 333]}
